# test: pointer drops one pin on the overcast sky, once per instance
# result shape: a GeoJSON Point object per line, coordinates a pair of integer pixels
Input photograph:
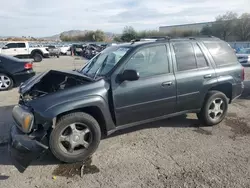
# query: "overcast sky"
{"type": "Point", "coordinates": [48, 17]}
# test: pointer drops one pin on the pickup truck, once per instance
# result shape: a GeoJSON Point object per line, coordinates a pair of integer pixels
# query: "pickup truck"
{"type": "Point", "coordinates": [24, 50]}
{"type": "Point", "coordinates": [123, 86]}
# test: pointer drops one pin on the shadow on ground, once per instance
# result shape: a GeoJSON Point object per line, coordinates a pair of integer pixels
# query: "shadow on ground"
{"type": "Point", "coordinates": [48, 159]}
{"type": "Point", "coordinates": [5, 123]}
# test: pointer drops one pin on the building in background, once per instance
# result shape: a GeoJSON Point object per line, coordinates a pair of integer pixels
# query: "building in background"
{"type": "Point", "coordinates": [185, 27]}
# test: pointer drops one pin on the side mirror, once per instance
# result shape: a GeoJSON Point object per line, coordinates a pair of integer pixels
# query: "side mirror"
{"type": "Point", "coordinates": [129, 75]}
{"type": "Point", "coordinates": [5, 47]}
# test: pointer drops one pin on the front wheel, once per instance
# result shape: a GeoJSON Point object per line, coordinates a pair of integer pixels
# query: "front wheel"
{"type": "Point", "coordinates": [214, 108]}
{"type": "Point", "coordinates": [75, 137]}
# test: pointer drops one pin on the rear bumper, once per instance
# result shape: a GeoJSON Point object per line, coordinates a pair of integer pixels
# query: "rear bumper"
{"type": "Point", "coordinates": [24, 149]}
{"type": "Point", "coordinates": [23, 76]}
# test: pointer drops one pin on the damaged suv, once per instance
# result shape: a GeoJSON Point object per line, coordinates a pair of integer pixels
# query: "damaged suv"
{"type": "Point", "coordinates": [123, 86]}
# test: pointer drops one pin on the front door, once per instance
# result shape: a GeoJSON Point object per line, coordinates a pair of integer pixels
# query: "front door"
{"type": "Point", "coordinates": [153, 94]}
{"type": "Point", "coordinates": [10, 49]}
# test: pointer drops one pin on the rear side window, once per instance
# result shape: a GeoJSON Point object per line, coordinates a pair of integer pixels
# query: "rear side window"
{"type": "Point", "coordinates": [21, 45]}
{"type": "Point", "coordinates": [185, 56]}
{"type": "Point", "coordinates": [221, 52]}
{"type": "Point", "coordinates": [200, 58]}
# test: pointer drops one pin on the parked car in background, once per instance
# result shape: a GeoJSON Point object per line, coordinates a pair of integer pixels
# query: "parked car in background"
{"type": "Point", "coordinates": [243, 56]}
{"type": "Point", "coordinates": [53, 50]}
{"type": "Point", "coordinates": [14, 71]}
{"type": "Point", "coordinates": [24, 50]}
{"type": "Point", "coordinates": [64, 49]}
{"type": "Point", "coordinates": [123, 86]}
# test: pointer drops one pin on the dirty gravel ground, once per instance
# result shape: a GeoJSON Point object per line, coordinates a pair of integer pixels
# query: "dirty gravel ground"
{"type": "Point", "coordinates": [177, 152]}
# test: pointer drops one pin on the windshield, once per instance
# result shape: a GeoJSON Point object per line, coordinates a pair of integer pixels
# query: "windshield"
{"type": "Point", "coordinates": [103, 62]}
{"type": "Point", "coordinates": [244, 51]}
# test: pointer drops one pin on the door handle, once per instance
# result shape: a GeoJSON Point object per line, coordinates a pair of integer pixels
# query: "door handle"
{"type": "Point", "coordinates": [166, 83]}
{"type": "Point", "coordinates": [14, 49]}
{"type": "Point", "coordinates": [208, 76]}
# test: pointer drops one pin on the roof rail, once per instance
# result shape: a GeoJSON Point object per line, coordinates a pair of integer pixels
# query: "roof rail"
{"type": "Point", "coordinates": [201, 36]}
{"type": "Point", "coordinates": [158, 38]}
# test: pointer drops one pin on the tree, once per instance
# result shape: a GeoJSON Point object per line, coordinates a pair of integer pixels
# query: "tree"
{"type": "Point", "coordinates": [242, 29]}
{"type": "Point", "coordinates": [224, 25]}
{"type": "Point", "coordinates": [206, 30]}
{"type": "Point", "coordinates": [128, 34]}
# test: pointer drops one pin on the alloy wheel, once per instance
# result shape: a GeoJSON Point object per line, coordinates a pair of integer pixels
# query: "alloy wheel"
{"type": "Point", "coordinates": [5, 82]}
{"type": "Point", "coordinates": [216, 109]}
{"type": "Point", "coordinates": [75, 138]}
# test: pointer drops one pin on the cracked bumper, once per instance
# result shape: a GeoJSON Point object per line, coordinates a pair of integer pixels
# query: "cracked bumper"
{"type": "Point", "coordinates": [23, 149]}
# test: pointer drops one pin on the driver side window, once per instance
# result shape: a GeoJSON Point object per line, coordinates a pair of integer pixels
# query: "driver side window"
{"type": "Point", "coordinates": [12, 45]}
{"type": "Point", "coordinates": [149, 61]}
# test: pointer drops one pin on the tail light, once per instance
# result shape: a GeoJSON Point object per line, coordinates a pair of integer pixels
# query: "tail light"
{"type": "Point", "coordinates": [28, 65]}
{"type": "Point", "coordinates": [243, 73]}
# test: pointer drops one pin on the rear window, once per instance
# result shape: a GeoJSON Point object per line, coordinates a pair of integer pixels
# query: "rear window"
{"type": "Point", "coordinates": [221, 52]}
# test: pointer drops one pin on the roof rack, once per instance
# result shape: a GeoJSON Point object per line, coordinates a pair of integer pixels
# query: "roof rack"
{"type": "Point", "coordinates": [201, 36]}
{"type": "Point", "coordinates": [159, 38]}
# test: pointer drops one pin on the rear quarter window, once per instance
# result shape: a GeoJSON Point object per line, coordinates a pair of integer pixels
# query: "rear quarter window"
{"type": "Point", "coordinates": [221, 52]}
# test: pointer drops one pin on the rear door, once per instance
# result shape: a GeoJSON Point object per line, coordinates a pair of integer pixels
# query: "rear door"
{"type": "Point", "coordinates": [194, 74]}
{"type": "Point", "coordinates": [10, 49]}
{"type": "Point", "coordinates": [22, 49]}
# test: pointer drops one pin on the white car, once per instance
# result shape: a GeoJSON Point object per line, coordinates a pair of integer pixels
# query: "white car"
{"type": "Point", "coordinates": [244, 56]}
{"type": "Point", "coordinates": [64, 49]}
{"type": "Point", "coordinates": [23, 50]}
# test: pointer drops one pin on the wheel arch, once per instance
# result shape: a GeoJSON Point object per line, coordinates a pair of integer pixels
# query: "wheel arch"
{"type": "Point", "coordinates": [94, 111]}
{"type": "Point", "coordinates": [226, 88]}
{"type": "Point", "coordinates": [33, 52]}
{"type": "Point", "coordinates": [96, 106]}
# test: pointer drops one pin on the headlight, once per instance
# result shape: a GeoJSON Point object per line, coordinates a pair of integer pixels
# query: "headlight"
{"type": "Point", "coordinates": [24, 118]}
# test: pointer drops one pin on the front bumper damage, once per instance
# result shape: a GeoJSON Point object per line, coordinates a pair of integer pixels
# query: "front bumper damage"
{"type": "Point", "coordinates": [25, 148]}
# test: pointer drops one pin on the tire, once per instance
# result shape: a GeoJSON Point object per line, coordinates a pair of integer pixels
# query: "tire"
{"type": "Point", "coordinates": [6, 82]}
{"type": "Point", "coordinates": [212, 105]}
{"type": "Point", "coordinates": [57, 147]}
{"type": "Point", "coordinates": [37, 57]}
{"type": "Point", "coordinates": [57, 56]}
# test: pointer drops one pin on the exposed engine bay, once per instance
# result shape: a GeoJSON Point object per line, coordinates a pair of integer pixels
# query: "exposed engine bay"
{"type": "Point", "coordinates": [52, 82]}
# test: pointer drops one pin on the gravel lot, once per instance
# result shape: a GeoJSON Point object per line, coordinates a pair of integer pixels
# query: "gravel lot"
{"type": "Point", "coordinates": [177, 152]}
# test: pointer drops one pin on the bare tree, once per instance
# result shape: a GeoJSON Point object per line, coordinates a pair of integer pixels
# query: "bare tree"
{"type": "Point", "coordinates": [224, 25]}
{"type": "Point", "coordinates": [243, 27]}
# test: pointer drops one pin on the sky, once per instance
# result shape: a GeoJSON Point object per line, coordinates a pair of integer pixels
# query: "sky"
{"type": "Point", "coordinates": [40, 18]}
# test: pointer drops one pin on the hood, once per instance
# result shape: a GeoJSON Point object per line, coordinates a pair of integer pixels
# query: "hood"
{"type": "Point", "coordinates": [52, 81]}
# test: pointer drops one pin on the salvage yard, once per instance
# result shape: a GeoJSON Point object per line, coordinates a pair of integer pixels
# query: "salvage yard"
{"type": "Point", "coordinates": [177, 152]}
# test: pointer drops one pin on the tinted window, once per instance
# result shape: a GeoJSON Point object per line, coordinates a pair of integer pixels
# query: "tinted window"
{"type": "Point", "coordinates": [185, 57]}
{"type": "Point", "coordinates": [222, 53]}
{"type": "Point", "coordinates": [200, 58]}
{"type": "Point", "coordinates": [12, 45]}
{"type": "Point", "coordinates": [21, 45]}
{"type": "Point", "coordinates": [150, 61]}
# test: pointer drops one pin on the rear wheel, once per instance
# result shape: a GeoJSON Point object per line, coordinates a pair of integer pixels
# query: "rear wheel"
{"type": "Point", "coordinates": [37, 57]}
{"type": "Point", "coordinates": [75, 137]}
{"type": "Point", "coordinates": [6, 82]}
{"type": "Point", "coordinates": [214, 109]}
